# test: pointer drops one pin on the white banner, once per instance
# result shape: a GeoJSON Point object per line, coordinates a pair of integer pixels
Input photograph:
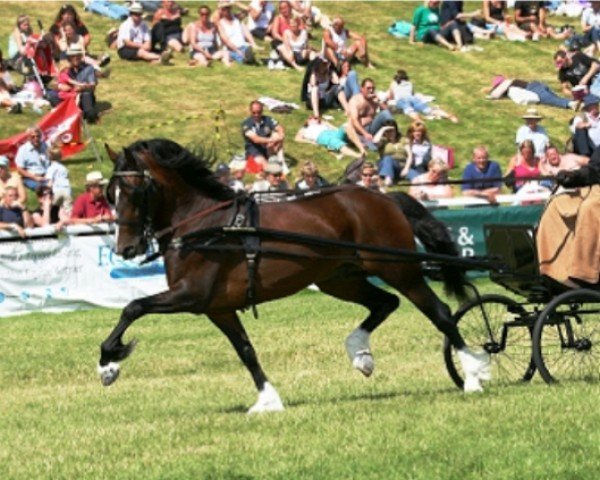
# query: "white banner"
{"type": "Point", "coordinates": [71, 272]}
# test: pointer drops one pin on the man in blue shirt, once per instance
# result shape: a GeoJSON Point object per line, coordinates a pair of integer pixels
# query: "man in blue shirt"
{"type": "Point", "coordinates": [478, 172]}
{"type": "Point", "coordinates": [12, 215]}
{"type": "Point", "coordinates": [263, 135]}
{"type": "Point", "coordinates": [32, 159]}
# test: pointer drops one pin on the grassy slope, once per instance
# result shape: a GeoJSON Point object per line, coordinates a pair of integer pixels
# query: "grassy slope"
{"type": "Point", "coordinates": [142, 95]}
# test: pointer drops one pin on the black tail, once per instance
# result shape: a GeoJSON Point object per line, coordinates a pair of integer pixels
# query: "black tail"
{"type": "Point", "coordinates": [434, 236]}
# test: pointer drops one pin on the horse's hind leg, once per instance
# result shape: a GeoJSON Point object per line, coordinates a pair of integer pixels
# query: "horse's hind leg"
{"type": "Point", "coordinates": [230, 325]}
{"type": "Point", "coordinates": [379, 303]}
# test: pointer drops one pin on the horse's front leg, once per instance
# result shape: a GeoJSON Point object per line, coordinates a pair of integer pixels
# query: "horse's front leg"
{"type": "Point", "coordinates": [230, 325]}
{"type": "Point", "coordinates": [113, 351]}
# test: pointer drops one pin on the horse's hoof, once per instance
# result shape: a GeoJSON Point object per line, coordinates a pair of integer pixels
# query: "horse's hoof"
{"type": "Point", "coordinates": [109, 373]}
{"type": "Point", "coordinates": [268, 401]}
{"type": "Point", "coordinates": [364, 363]}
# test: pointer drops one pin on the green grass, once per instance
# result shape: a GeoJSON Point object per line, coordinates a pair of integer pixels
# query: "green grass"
{"type": "Point", "coordinates": [143, 96]}
{"type": "Point", "coordinates": [177, 410]}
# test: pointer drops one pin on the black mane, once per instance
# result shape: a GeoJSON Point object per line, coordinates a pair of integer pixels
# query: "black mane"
{"type": "Point", "coordinates": [193, 169]}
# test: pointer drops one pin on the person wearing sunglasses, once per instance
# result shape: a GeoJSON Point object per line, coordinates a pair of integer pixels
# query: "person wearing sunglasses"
{"type": "Point", "coordinates": [203, 37]}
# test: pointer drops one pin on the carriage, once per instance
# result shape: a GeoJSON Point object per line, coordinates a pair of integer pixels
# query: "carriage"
{"type": "Point", "coordinates": [554, 330]}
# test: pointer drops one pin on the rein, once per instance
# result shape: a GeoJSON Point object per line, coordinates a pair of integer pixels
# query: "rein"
{"type": "Point", "coordinates": [201, 214]}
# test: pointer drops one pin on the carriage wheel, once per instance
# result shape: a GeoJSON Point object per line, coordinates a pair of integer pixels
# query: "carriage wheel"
{"type": "Point", "coordinates": [507, 340]}
{"type": "Point", "coordinates": [566, 337]}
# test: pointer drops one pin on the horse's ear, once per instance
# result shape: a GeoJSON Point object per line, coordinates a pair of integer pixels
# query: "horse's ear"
{"type": "Point", "coordinates": [111, 153]}
{"type": "Point", "coordinates": [128, 154]}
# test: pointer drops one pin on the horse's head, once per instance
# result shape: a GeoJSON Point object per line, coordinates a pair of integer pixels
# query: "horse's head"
{"type": "Point", "coordinates": [131, 189]}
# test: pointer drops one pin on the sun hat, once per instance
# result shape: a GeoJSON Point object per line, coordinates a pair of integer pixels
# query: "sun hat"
{"type": "Point", "coordinates": [533, 114]}
{"type": "Point", "coordinates": [222, 169]}
{"type": "Point", "coordinates": [95, 178]}
{"type": "Point", "coordinates": [224, 3]}
{"type": "Point", "coordinates": [273, 167]}
{"type": "Point", "coordinates": [75, 50]}
{"type": "Point", "coordinates": [136, 7]}
{"type": "Point", "coordinates": [238, 162]}
{"type": "Point", "coordinates": [497, 80]}
{"type": "Point", "coordinates": [590, 99]}
{"type": "Point", "coordinates": [3, 161]}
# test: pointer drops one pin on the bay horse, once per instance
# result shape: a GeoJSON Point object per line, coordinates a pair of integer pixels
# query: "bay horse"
{"type": "Point", "coordinates": [164, 192]}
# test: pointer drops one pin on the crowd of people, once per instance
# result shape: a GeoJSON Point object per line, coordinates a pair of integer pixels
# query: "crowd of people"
{"type": "Point", "coordinates": [235, 33]}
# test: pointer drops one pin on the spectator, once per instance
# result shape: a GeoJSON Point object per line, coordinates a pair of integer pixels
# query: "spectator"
{"type": "Point", "coordinates": [430, 185]}
{"type": "Point", "coordinates": [57, 177]}
{"type": "Point", "coordinates": [477, 176]}
{"type": "Point", "coordinates": [426, 26]}
{"type": "Point", "coordinates": [553, 162]}
{"type": "Point", "coordinates": [281, 24]}
{"type": "Point", "coordinates": [260, 17]}
{"type": "Point", "coordinates": [11, 179]}
{"type": "Point", "coordinates": [395, 155]}
{"type": "Point", "coordinates": [32, 159]}
{"type": "Point", "coordinates": [369, 178]}
{"type": "Point", "coordinates": [402, 96]}
{"type": "Point", "coordinates": [590, 25]}
{"type": "Point", "coordinates": [365, 120]}
{"type": "Point", "coordinates": [324, 88]}
{"type": "Point", "coordinates": [166, 28]}
{"type": "Point", "coordinates": [533, 131]}
{"type": "Point", "coordinates": [204, 41]}
{"type": "Point", "coordinates": [91, 206]}
{"type": "Point", "coordinates": [295, 50]}
{"type": "Point", "coordinates": [586, 127]}
{"type": "Point", "coordinates": [237, 167]}
{"type": "Point", "coordinates": [263, 136]}
{"type": "Point", "coordinates": [12, 214]}
{"type": "Point", "coordinates": [349, 80]}
{"type": "Point", "coordinates": [531, 17]}
{"type": "Point", "coordinates": [320, 132]}
{"type": "Point", "coordinates": [82, 79]}
{"type": "Point", "coordinates": [273, 181]}
{"type": "Point", "coordinates": [310, 178]}
{"type": "Point", "coordinates": [524, 165]}
{"type": "Point", "coordinates": [70, 38]}
{"type": "Point", "coordinates": [576, 69]}
{"type": "Point", "coordinates": [341, 44]}
{"type": "Point", "coordinates": [235, 36]}
{"type": "Point", "coordinates": [310, 14]}
{"type": "Point", "coordinates": [453, 17]}
{"type": "Point", "coordinates": [48, 213]}
{"type": "Point", "coordinates": [17, 42]}
{"type": "Point", "coordinates": [68, 15]}
{"type": "Point", "coordinates": [495, 14]}
{"type": "Point", "coordinates": [134, 40]}
{"type": "Point", "coordinates": [420, 148]}
{"type": "Point", "coordinates": [6, 101]}
{"type": "Point", "coordinates": [223, 173]}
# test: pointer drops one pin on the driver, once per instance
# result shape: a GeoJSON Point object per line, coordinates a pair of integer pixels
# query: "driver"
{"type": "Point", "coordinates": [568, 238]}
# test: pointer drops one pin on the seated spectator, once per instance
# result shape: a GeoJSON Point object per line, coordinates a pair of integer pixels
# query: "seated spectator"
{"type": "Point", "coordinates": [13, 216]}
{"type": "Point", "coordinates": [82, 80]}
{"type": "Point", "coordinates": [57, 176]}
{"type": "Point", "coordinates": [70, 39]}
{"type": "Point", "coordinates": [321, 132]}
{"type": "Point", "coordinates": [401, 95]}
{"type": "Point", "coordinates": [68, 14]}
{"type": "Point", "coordinates": [6, 101]}
{"type": "Point", "coordinates": [310, 178]}
{"type": "Point", "coordinates": [531, 17]}
{"type": "Point", "coordinates": [426, 26]}
{"type": "Point", "coordinates": [495, 14]}
{"type": "Point", "coordinates": [533, 131]}
{"type": "Point", "coordinates": [166, 27]}
{"type": "Point", "coordinates": [586, 127]}
{"type": "Point", "coordinates": [590, 25]}
{"type": "Point", "coordinates": [223, 172]}
{"type": "Point", "coordinates": [273, 181]}
{"type": "Point", "coordinates": [524, 165]}
{"type": "Point", "coordinates": [134, 40]}
{"type": "Point", "coordinates": [263, 136]}
{"type": "Point", "coordinates": [11, 179]}
{"type": "Point", "coordinates": [367, 115]}
{"type": "Point", "coordinates": [395, 155]}
{"type": "Point", "coordinates": [237, 167]}
{"type": "Point", "coordinates": [91, 206]}
{"type": "Point", "coordinates": [235, 36]}
{"type": "Point", "coordinates": [203, 40]}
{"type": "Point", "coordinates": [311, 15]}
{"type": "Point", "coordinates": [260, 17]}
{"type": "Point", "coordinates": [477, 176]}
{"type": "Point", "coordinates": [430, 185]}
{"type": "Point", "coordinates": [501, 86]}
{"type": "Point", "coordinates": [295, 50]}
{"type": "Point", "coordinates": [420, 148]}
{"type": "Point", "coordinates": [576, 69]}
{"type": "Point", "coordinates": [553, 162]}
{"type": "Point", "coordinates": [349, 80]}
{"type": "Point", "coordinates": [282, 22]}
{"type": "Point", "coordinates": [18, 41]}
{"type": "Point", "coordinates": [341, 44]}
{"type": "Point", "coordinates": [324, 88]}
{"type": "Point", "coordinates": [453, 18]}
{"type": "Point", "coordinates": [369, 178]}
{"type": "Point", "coordinates": [32, 159]}
{"type": "Point", "coordinates": [48, 213]}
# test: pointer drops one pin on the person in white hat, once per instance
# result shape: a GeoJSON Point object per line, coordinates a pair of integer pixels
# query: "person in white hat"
{"type": "Point", "coordinates": [134, 40]}
{"type": "Point", "coordinates": [533, 131]}
{"type": "Point", "coordinates": [237, 166]}
{"type": "Point", "coordinates": [91, 206]}
{"type": "Point", "coordinates": [273, 181]}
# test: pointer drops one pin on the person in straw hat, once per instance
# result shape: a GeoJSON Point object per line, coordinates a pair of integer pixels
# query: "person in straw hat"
{"type": "Point", "coordinates": [91, 206]}
{"type": "Point", "coordinates": [82, 79]}
{"type": "Point", "coordinates": [533, 131]}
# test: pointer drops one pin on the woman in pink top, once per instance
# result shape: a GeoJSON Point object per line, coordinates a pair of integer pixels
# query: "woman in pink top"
{"type": "Point", "coordinates": [524, 164]}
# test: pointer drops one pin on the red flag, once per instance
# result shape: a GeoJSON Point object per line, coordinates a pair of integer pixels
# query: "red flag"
{"type": "Point", "coordinates": [63, 124]}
